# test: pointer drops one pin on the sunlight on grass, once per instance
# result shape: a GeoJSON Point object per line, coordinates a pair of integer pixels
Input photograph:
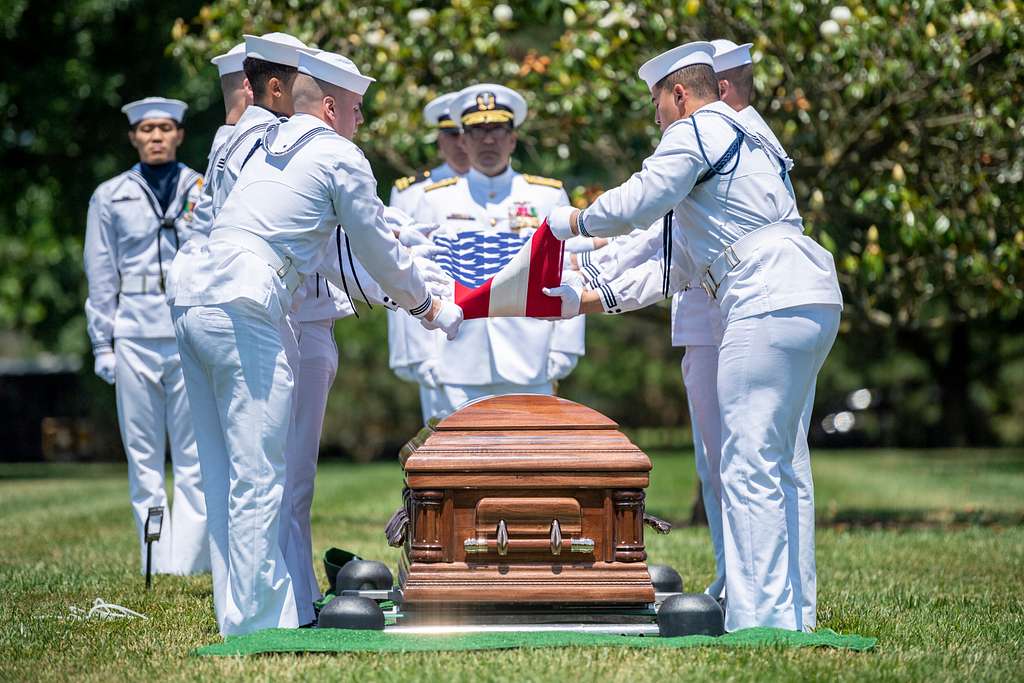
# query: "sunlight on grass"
{"type": "Point", "coordinates": [944, 599]}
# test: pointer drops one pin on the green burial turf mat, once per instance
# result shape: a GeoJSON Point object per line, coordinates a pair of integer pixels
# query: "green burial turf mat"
{"type": "Point", "coordinates": [339, 640]}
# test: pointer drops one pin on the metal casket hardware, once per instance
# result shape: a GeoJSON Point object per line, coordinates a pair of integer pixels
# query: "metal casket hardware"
{"type": "Point", "coordinates": [502, 538]}
{"type": "Point", "coordinates": [556, 537]}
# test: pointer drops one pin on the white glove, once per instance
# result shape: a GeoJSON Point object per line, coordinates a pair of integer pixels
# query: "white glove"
{"type": "Point", "coordinates": [427, 249]}
{"type": "Point", "coordinates": [438, 282]}
{"type": "Point", "coordinates": [570, 291]}
{"type": "Point", "coordinates": [104, 367]}
{"type": "Point", "coordinates": [416, 235]}
{"type": "Point", "coordinates": [558, 221]}
{"type": "Point", "coordinates": [560, 365]}
{"type": "Point", "coordinates": [426, 373]}
{"type": "Point", "coordinates": [578, 245]}
{"type": "Point", "coordinates": [396, 218]}
{"type": "Point", "coordinates": [448, 319]}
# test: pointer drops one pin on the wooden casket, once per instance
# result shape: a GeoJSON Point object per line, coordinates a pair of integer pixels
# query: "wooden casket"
{"type": "Point", "coordinates": [524, 500]}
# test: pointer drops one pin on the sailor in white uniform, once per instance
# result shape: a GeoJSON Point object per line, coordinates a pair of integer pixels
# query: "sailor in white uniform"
{"type": "Point", "coordinates": [494, 356]}
{"type": "Point", "coordinates": [318, 304]}
{"type": "Point", "coordinates": [268, 67]}
{"type": "Point", "coordinates": [736, 221]}
{"type": "Point", "coordinates": [627, 282]}
{"type": "Point", "coordinates": [230, 300]}
{"type": "Point", "coordinates": [407, 191]}
{"type": "Point", "coordinates": [136, 222]}
{"type": "Point", "coordinates": [271, 61]}
{"type": "Point", "coordinates": [236, 91]}
{"type": "Point", "coordinates": [408, 351]}
{"type": "Point", "coordinates": [237, 98]}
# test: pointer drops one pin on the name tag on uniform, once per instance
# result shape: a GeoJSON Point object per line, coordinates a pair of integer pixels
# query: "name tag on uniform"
{"type": "Point", "coordinates": [124, 199]}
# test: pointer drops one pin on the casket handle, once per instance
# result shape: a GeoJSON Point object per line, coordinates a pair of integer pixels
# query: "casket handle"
{"type": "Point", "coordinates": [502, 537]}
{"type": "Point", "coordinates": [478, 546]}
{"type": "Point", "coordinates": [556, 537]}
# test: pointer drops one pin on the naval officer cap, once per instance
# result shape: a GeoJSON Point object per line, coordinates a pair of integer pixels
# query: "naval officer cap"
{"type": "Point", "coordinates": [279, 48]}
{"type": "Point", "coordinates": [334, 69]}
{"type": "Point", "coordinates": [487, 103]}
{"type": "Point", "coordinates": [729, 55]}
{"type": "Point", "coordinates": [154, 108]}
{"type": "Point", "coordinates": [231, 61]}
{"type": "Point", "coordinates": [699, 52]}
{"type": "Point", "coordinates": [436, 112]}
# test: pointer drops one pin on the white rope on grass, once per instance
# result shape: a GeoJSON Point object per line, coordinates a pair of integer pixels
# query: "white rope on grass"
{"type": "Point", "coordinates": [101, 609]}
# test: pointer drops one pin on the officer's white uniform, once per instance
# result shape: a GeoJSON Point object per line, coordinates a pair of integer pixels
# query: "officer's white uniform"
{"type": "Point", "coordinates": [494, 356]}
{"type": "Point", "coordinates": [780, 303]}
{"type": "Point", "coordinates": [230, 300]}
{"type": "Point", "coordinates": [129, 245]}
{"type": "Point", "coordinates": [409, 345]}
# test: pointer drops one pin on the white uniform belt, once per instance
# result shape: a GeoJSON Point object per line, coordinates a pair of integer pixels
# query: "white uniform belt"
{"type": "Point", "coordinates": [252, 242]}
{"type": "Point", "coordinates": [739, 251]}
{"type": "Point", "coordinates": [141, 284]}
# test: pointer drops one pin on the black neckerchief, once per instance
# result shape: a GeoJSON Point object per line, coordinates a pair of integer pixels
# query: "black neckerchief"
{"type": "Point", "coordinates": [162, 180]}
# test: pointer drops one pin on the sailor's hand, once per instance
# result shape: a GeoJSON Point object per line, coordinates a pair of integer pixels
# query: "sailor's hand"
{"type": "Point", "coordinates": [570, 292]}
{"type": "Point", "coordinates": [561, 222]}
{"type": "Point", "coordinates": [416, 234]}
{"type": "Point", "coordinates": [438, 282]}
{"type": "Point", "coordinates": [443, 315]}
{"type": "Point", "coordinates": [106, 362]}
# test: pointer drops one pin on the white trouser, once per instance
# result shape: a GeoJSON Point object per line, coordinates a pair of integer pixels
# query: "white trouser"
{"type": "Point", "coordinates": [767, 369]}
{"type": "Point", "coordinates": [240, 386]}
{"type": "Point", "coordinates": [289, 329]}
{"type": "Point", "coordinates": [700, 377]}
{"type": "Point", "coordinates": [152, 408]}
{"type": "Point", "coordinates": [432, 402]}
{"type": "Point", "coordinates": [318, 366]}
{"type": "Point", "coordinates": [454, 396]}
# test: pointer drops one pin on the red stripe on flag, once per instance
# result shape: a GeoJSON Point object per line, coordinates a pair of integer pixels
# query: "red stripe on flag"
{"type": "Point", "coordinates": [545, 271]}
{"type": "Point", "coordinates": [475, 301]}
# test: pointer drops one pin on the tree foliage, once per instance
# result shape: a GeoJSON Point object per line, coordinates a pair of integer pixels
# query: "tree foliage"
{"type": "Point", "coordinates": [903, 117]}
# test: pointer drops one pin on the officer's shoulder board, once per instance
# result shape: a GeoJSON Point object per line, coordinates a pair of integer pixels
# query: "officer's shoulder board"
{"type": "Point", "coordinates": [541, 180]}
{"type": "Point", "coordinates": [442, 183]}
{"type": "Point", "coordinates": [408, 181]}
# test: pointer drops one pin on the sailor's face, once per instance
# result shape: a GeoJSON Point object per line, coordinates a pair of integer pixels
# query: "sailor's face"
{"type": "Point", "coordinates": [449, 142]}
{"type": "Point", "coordinates": [666, 105]}
{"type": "Point", "coordinates": [157, 140]}
{"type": "Point", "coordinates": [489, 146]}
{"type": "Point", "coordinates": [348, 113]}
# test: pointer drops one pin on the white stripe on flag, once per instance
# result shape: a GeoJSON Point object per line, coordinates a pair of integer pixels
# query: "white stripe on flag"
{"type": "Point", "coordinates": [509, 287]}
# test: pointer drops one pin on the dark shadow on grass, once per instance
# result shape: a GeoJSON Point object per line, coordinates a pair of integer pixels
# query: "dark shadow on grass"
{"type": "Point", "coordinates": [895, 519]}
{"type": "Point", "coordinates": [23, 471]}
{"type": "Point", "coordinates": [882, 518]}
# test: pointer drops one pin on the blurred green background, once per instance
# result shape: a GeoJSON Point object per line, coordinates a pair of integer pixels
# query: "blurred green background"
{"type": "Point", "coordinates": [904, 119]}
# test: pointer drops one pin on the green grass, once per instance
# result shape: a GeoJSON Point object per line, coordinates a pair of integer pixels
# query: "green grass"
{"type": "Point", "coordinates": [923, 550]}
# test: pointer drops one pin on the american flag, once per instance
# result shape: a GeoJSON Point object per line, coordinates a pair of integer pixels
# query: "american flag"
{"type": "Point", "coordinates": [501, 274]}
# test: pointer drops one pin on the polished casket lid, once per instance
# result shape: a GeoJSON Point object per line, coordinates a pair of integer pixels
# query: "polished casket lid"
{"type": "Point", "coordinates": [523, 432]}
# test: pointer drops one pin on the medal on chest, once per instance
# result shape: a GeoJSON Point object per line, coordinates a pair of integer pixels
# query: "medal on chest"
{"type": "Point", "coordinates": [522, 215]}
